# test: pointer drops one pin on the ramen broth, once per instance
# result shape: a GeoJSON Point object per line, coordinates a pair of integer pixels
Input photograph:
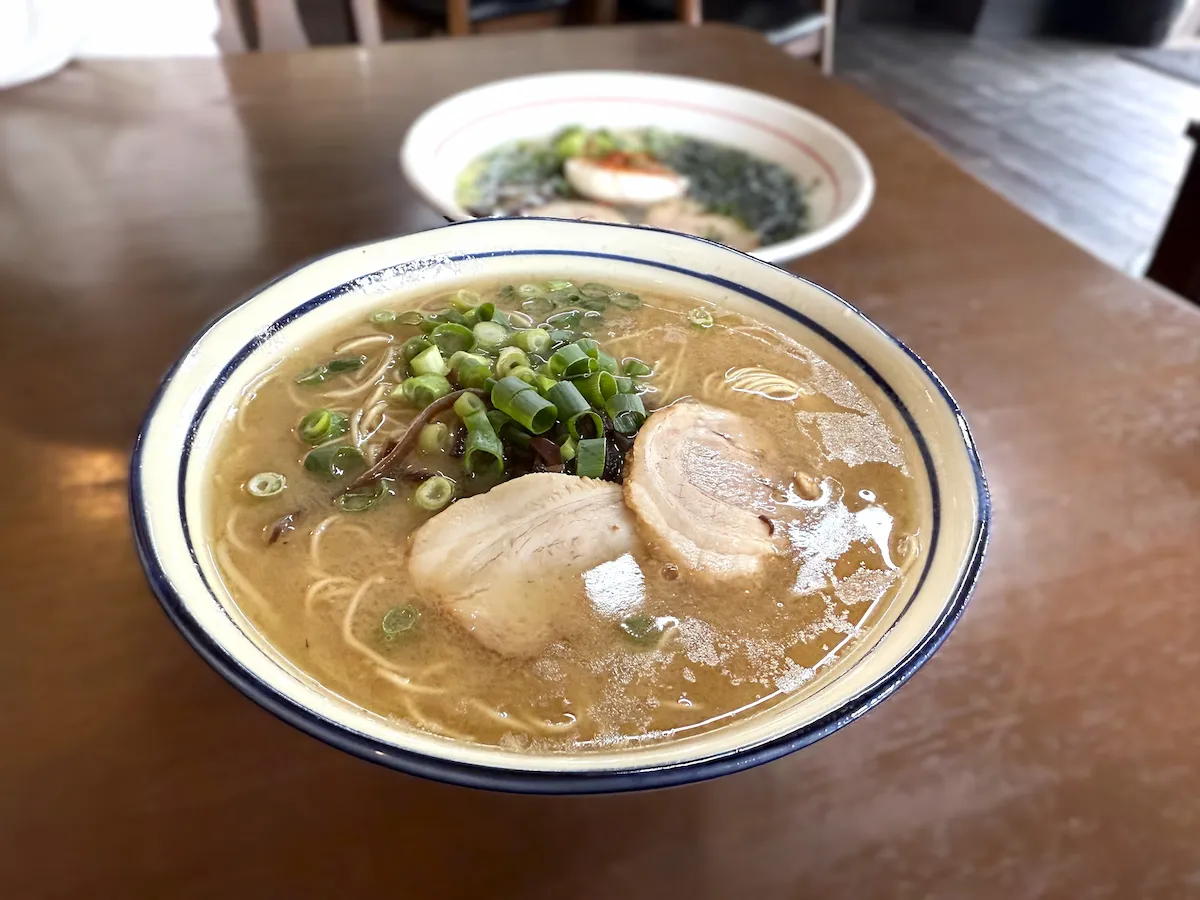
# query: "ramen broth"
{"type": "Point", "coordinates": [643, 646]}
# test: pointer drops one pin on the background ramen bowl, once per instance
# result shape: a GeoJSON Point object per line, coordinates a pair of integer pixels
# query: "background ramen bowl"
{"type": "Point", "coordinates": [448, 136]}
{"type": "Point", "coordinates": [168, 488]}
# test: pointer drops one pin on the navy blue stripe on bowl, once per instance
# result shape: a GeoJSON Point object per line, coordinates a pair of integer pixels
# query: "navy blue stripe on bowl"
{"type": "Point", "coordinates": [469, 775]}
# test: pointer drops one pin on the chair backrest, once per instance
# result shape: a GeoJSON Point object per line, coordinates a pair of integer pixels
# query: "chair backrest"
{"type": "Point", "coordinates": [280, 27]}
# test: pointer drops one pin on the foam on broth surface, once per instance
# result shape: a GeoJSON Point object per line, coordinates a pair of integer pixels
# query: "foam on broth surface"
{"type": "Point", "coordinates": [853, 517]}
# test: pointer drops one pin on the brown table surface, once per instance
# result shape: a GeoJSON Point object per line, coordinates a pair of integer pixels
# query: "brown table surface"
{"type": "Point", "coordinates": [1051, 748]}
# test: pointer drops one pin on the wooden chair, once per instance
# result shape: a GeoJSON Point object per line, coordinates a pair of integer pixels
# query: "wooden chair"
{"type": "Point", "coordinates": [279, 25]}
{"type": "Point", "coordinates": [1176, 262]}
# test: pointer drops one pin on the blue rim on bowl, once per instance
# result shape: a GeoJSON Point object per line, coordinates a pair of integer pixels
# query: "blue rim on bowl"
{"type": "Point", "coordinates": [512, 777]}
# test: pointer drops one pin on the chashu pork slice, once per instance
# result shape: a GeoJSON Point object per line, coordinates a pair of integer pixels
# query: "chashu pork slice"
{"type": "Point", "coordinates": [695, 483]}
{"type": "Point", "coordinates": [507, 564]}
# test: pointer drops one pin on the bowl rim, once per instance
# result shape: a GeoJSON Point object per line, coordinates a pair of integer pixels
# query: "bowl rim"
{"type": "Point", "coordinates": [515, 780]}
{"type": "Point", "coordinates": [793, 248]}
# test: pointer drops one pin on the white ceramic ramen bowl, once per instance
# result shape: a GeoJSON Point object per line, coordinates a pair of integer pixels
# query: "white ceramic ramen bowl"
{"type": "Point", "coordinates": [448, 136]}
{"type": "Point", "coordinates": [168, 488]}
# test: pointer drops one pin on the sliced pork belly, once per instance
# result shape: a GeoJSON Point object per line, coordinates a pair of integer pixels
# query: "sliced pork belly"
{"type": "Point", "coordinates": [690, 217]}
{"type": "Point", "coordinates": [507, 563]}
{"type": "Point", "coordinates": [695, 482]}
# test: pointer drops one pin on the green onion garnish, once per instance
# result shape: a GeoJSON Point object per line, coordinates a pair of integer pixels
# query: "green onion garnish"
{"type": "Point", "coordinates": [625, 300]}
{"type": "Point", "coordinates": [626, 411]}
{"type": "Point", "coordinates": [452, 337]}
{"type": "Point", "coordinates": [333, 461]}
{"type": "Point", "coordinates": [625, 384]}
{"type": "Point", "coordinates": [399, 621]}
{"type": "Point", "coordinates": [568, 449]}
{"type": "Point", "coordinates": [483, 451]}
{"type": "Point", "coordinates": [315, 375]}
{"type": "Point", "coordinates": [597, 388]}
{"type": "Point", "coordinates": [421, 390]}
{"type": "Point", "coordinates": [265, 484]}
{"type": "Point", "coordinates": [533, 340]}
{"type": "Point", "coordinates": [472, 370]}
{"type": "Point", "coordinates": [382, 317]}
{"type": "Point", "coordinates": [571, 361]}
{"type": "Point", "coordinates": [435, 437]}
{"type": "Point", "coordinates": [434, 493]}
{"type": "Point", "coordinates": [362, 500]}
{"type": "Point", "coordinates": [558, 285]}
{"type": "Point", "coordinates": [429, 362]}
{"type": "Point", "coordinates": [464, 300]}
{"type": "Point", "coordinates": [345, 364]}
{"type": "Point", "coordinates": [490, 335]}
{"type": "Point", "coordinates": [414, 346]}
{"type": "Point", "coordinates": [605, 362]}
{"type": "Point", "coordinates": [700, 317]}
{"type": "Point", "coordinates": [524, 404]}
{"type": "Point", "coordinates": [589, 458]}
{"type": "Point", "coordinates": [635, 368]}
{"type": "Point", "coordinates": [586, 424]}
{"type": "Point", "coordinates": [567, 400]}
{"type": "Point", "coordinates": [322, 425]}
{"type": "Point", "coordinates": [509, 359]}
{"type": "Point", "coordinates": [595, 291]}
{"type": "Point", "coordinates": [468, 405]}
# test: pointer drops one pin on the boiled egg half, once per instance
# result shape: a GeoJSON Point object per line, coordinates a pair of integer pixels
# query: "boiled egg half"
{"type": "Point", "coordinates": [623, 179]}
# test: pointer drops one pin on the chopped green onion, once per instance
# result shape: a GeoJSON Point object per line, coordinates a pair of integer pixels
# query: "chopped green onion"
{"type": "Point", "coordinates": [529, 290]}
{"type": "Point", "coordinates": [567, 400]}
{"type": "Point", "coordinates": [518, 320]}
{"type": "Point", "coordinates": [467, 405]}
{"type": "Point", "coordinates": [642, 629]}
{"type": "Point", "coordinates": [432, 321]}
{"type": "Point", "coordinates": [434, 493]}
{"type": "Point", "coordinates": [265, 484]}
{"type": "Point", "coordinates": [533, 340]}
{"type": "Point", "coordinates": [526, 374]}
{"type": "Point", "coordinates": [410, 317]}
{"type": "Point", "coordinates": [452, 337]}
{"type": "Point", "coordinates": [333, 461]}
{"type": "Point", "coordinates": [483, 450]}
{"type": "Point", "coordinates": [635, 368]}
{"type": "Point", "coordinates": [595, 291]}
{"type": "Point", "coordinates": [464, 300]}
{"type": "Point", "coordinates": [538, 306]}
{"type": "Point", "coordinates": [626, 411]}
{"type": "Point", "coordinates": [363, 499]}
{"type": "Point", "coordinates": [435, 437]}
{"type": "Point", "coordinates": [626, 300]}
{"type": "Point", "coordinates": [429, 362]}
{"type": "Point", "coordinates": [585, 425]}
{"type": "Point", "coordinates": [571, 361]}
{"type": "Point", "coordinates": [565, 320]}
{"type": "Point", "coordinates": [559, 285]}
{"type": "Point", "coordinates": [414, 346]}
{"type": "Point", "coordinates": [315, 375]}
{"type": "Point", "coordinates": [526, 406]}
{"type": "Point", "coordinates": [322, 425]}
{"type": "Point", "coordinates": [472, 371]}
{"type": "Point", "coordinates": [605, 362]}
{"type": "Point", "coordinates": [382, 317]}
{"type": "Point", "coordinates": [700, 317]}
{"type": "Point", "coordinates": [421, 390]}
{"type": "Point", "coordinates": [509, 359]}
{"type": "Point", "coordinates": [485, 312]}
{"type": "Point", "coordinates": [498, 419]}
{"type": "Point", "coordinates": [560, 336]}
{"type": "Point", "coordinates": [490, 335]}
{"type": "Point", "coordinates": [543, 383]}
{"type": "Point", "coordinates": [625, 384]}
{"type": "Point", "coordinates": [568, 449]}
{"type": "Point", "coordinates": [517, 436]}
{"type": "Point", "coordinates": [345, 364]}
{"type": "Point", "coordinates": [597, 388]}
{"type": "Point", "coordinates": [399, 621]}
{"type": "Point", "coordinates": [589, 458]}
{"type": "Point", "coordinates": [588, 346]}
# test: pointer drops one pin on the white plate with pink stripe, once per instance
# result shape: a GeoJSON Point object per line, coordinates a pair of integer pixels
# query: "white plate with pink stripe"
{"type": "Point", "coordinates": [449, 136]}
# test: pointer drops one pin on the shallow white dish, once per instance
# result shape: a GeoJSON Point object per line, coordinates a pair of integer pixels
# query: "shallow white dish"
{"type": "Point", "coordinates": [168, 483]}
{"type": "Point", "coordinates": [448, 136]}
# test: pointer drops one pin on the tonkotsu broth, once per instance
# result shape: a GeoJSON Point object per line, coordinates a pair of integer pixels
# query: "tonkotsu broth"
{"type": "Point", "coordinates": [852, 519]}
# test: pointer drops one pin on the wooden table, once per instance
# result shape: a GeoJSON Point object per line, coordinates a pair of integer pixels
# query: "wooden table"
{"type": "Point", "coordinates": [1051, 749]}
